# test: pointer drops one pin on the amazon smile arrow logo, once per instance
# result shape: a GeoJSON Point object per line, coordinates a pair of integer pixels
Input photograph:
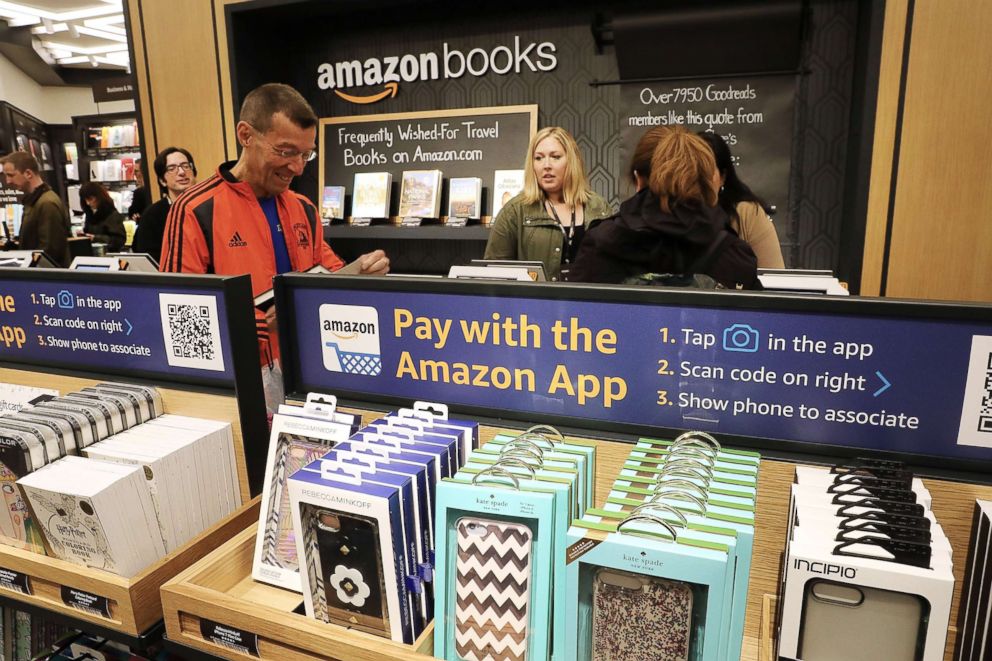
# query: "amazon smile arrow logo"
{"type": "Point", "coordinates": [391, 89]}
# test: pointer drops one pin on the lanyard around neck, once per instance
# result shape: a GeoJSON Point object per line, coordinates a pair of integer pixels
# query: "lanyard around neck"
{"type": "Point", "coordinates": [554, 212]}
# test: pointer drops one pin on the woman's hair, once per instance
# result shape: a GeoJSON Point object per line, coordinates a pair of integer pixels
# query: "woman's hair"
{"type": "Point", "coordinates": [93, 189]}
{"type": "Point", "coordinates": [734, 191]}
{"type": "Point", "coordinates": [640, 162]}
{"type": "Point", "coordinates": [683, 171]}
{"type": "Point", "coordinates": [575, 188]}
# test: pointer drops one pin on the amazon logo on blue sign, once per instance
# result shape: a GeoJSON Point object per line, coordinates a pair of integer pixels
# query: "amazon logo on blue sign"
{"type": "Point", "coordinates": [349, 339]}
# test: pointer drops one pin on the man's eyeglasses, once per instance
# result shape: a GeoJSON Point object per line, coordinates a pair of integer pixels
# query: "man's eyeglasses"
{"type": "Point", "coordinates": [176, 167]}
{"type": "Point", "coordinates": [288, 154]}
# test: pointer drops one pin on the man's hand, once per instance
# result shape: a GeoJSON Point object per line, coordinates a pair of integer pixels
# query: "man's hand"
{"type": "Point", "coordinates": [374, 263]}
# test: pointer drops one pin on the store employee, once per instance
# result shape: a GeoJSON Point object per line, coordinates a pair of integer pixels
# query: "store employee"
{"type": "Point", "coordinates": [244, 218]}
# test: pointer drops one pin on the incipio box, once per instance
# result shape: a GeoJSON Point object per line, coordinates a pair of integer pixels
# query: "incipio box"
{"type": "Point", "coordinates": [351, 550]}
{"type": "Point", "coordinates": [861, 608]}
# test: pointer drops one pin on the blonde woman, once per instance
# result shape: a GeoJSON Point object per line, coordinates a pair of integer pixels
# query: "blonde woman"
{"type": "Point", "coordinates": [672, 224]}
{"type": "Point", "coordinates": [547, 221]}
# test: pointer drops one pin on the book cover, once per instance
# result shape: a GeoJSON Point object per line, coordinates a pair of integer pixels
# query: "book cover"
{"type": "Point", "coordinates": [506, 185]}
{"type": "Point", "coordinates": [127, 165]}
{"type": "Point", "coordinates": [465, 197]}
{"type": "Point", "coordinates": [332, 203]}
{"type": "Point", "coordinates": [371, 197]}
{"type": "Point", "coordinates": [420, 195]}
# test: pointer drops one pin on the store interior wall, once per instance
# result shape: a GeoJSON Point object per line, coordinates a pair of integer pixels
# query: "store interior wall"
{"type": "Point", "coordinates": [52, 105]}
{"type": "Point", "coordinates": [904, 262]}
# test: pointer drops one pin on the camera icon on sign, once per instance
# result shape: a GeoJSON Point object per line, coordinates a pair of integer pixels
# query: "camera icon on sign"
{"type": "Point", "coordinates": [740, 337]}
{"type": "Point", "coordinates": [65, 300]}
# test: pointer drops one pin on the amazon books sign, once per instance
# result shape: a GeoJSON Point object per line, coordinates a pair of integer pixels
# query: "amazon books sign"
{"type": "Point", "coordinates": [392, 70]}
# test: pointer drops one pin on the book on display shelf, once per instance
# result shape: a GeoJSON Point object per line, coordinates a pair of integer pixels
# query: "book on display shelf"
{"type": "Point", "coordinates": [420, 195]}
{"type": "Point", "coordinates": [332, 203]}
{"type": "Point", "coordinates": [507, 184]}
{"type": "Point", "coordinates": [465, 197]}
{"type": "Point", "coordinates": [371, 196]}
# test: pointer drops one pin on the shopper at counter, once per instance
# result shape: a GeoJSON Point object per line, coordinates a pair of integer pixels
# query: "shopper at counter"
{"type": "Point", "coordinates": [175, 171]}
{"type": "Point", "coordinates": [672, 224]}
{"type": "Point", "coordinates": [244, 218]}
{"type": "Point", "coordinates": [748, 213]}
{"type": "Point", "coordinates": [45, 225]}
{"type": "Point", "coordinates": [103, 222]}
{"type": "Point", "coordinates": [140, 198]}
{"type": "Point", "coordinates": [547, 221]}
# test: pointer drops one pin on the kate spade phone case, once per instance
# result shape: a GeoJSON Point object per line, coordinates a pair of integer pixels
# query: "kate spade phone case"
{"type": "Point", "coordinates": [292, 453]}
{"type": "Point", "coordinates": [492, 583]}
{"type": "Point", "coordinates": [637, 617]}
{"type": "Point", "coordinates": [347, 582]}
{"type": "Point", "coordinates": [857, 623]}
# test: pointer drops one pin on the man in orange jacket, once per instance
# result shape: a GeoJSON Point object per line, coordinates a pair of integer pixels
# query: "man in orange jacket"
{"type": "Point", "coordinates": [244, 218]}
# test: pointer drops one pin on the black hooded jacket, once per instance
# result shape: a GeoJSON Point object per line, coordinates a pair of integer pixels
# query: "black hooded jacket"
{"type": "Point", "coordinates": [642, 238]}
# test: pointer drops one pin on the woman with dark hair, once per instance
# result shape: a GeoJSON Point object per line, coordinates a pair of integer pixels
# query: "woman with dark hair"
{"type": "Point", "coordinates": [104, 224]}
{"type": "Point", "coordinates": [748, 213]}
{"type": "Point", "coordinates": [672, 224]}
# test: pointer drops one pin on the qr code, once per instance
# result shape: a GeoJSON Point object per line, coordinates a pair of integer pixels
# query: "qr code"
{"type": "Point", "coordinates": [190, 330]}
{"type": "Point", "coordinates": [976, 410]}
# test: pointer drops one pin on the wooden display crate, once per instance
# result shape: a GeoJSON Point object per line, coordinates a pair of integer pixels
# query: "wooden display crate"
{"type": "Point", "coordinates": [220, 589]}
{"type": "Point", "coordinates": [134, 603]}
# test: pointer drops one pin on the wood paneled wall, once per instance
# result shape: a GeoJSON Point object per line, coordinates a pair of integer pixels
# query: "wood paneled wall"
{"type": "Point", "coordinates": [940, 235]}
{"type": "Point", "coordinates": [177, 56]}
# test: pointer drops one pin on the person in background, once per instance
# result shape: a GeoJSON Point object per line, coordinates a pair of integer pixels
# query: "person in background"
{"type": "Point", "coordinates": [547, 221]}
{"type": "Point", "coordinates": [45, 225]}
{"type": "Point", "coordinates": [747, 212]}
{"type": "Point", "coordinates": [175, 171]}
{"type": "Point", "coordinates": [141, 199]}
{"type": "Point", "coordinates": [103, 222]}
{"type": "Point", "coordinates": [672, 224]}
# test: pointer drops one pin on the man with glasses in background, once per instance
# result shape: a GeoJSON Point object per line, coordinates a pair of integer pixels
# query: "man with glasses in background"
{"type": "Point", "coordinates": [175, 171]}
{"type": "Point", "coordinates": [244, 219]}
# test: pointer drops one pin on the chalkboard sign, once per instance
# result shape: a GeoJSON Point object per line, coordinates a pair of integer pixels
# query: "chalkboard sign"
{"type": "Point", "coordinates": [753, 114]}
{"type": "Point", "coordinates": [470, 142]}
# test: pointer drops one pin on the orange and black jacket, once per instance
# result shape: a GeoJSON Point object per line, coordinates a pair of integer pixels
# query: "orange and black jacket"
{"type": "Point", "coordinates": [218, 226]}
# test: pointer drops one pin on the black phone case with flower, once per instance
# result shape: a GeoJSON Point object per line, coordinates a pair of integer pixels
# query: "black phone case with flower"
{"type": "Point", "coordinates": [352, 571]}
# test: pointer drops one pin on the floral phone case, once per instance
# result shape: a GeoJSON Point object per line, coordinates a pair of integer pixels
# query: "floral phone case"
{"type": "Point", "coordinates": [637, 617]}
{"type": "Point", "coordinates": [292, 453]}
{"type": "Point", "coordinates": [348, 582]}
{"type": "Point", "coordinates": [492, 584]}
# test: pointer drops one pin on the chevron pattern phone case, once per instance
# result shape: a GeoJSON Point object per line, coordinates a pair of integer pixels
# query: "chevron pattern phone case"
{"type": "Point", "coordinates": [492, 586]}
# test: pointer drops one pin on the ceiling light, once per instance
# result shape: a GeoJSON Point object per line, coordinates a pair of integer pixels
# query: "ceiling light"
{"type": "Point", "coordinates": [93, 62]}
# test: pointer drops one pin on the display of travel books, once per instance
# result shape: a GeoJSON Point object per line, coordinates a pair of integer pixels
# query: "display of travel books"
{"type": "Point", "coordinates": [371, 196]}
{"type": "Point", "coordinates": [332, 203]}
{"type": "Point", "coordinates": [506, 185]}
{"type": "Point", "coordinates": [465, 198]}
{"type": "Point", "coordinates": [420, 195]}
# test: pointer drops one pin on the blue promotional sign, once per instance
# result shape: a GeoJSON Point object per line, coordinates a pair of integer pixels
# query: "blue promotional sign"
{"type": "Point", "coordinates": [881, 375]}
{"type": "Point", "coordinates": [149, 325]}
